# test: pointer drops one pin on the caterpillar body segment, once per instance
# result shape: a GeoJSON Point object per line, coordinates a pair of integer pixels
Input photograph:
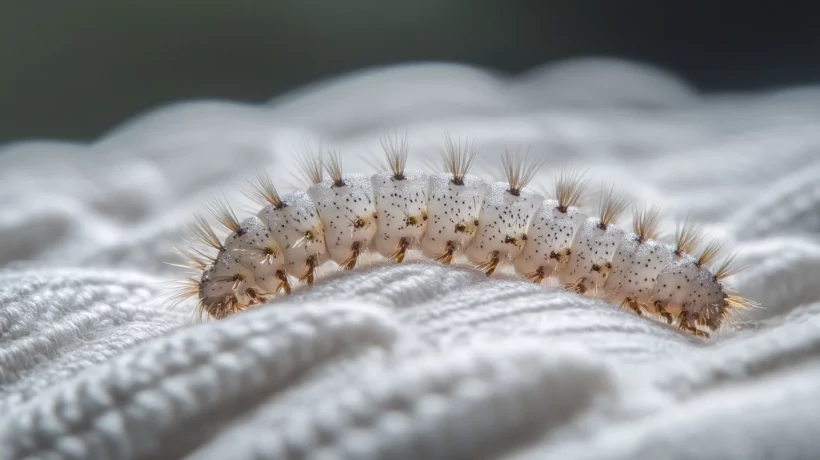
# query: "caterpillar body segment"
{"type": "Point", "coordinates": [502, 225]}
{"type": "Point", "coordinates": [549, 241]}
{"type": "Point", "coordinates": [454, 207]}
{"type": "Point", "coordinates": [348, 214]}
{"type": "Point", "coordinates": [401, 204]}
{"type": "Point", "coordinates": [595, 241]}
{"type": "Point", "coordinates": [295, 225]}
{"type": "Point", "coordinates": [450, 213]}
{"type": "Point", "coordinates": [670, 295]}
{"type": "Point", "coordinates": [636, 266]}
{"type": "Point", "coordinates": [590, 262]}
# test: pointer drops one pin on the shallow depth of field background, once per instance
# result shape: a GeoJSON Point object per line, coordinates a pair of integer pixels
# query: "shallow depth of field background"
{"type": "Point", "coordinates": [72, 70]}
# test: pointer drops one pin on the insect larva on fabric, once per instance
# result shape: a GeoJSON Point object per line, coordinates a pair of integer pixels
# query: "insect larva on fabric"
{"type": "Point", "coordinates": [448, 214]}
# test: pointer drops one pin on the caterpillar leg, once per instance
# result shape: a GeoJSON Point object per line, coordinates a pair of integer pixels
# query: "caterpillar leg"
{"type": "Point", "coordinates": [446, 257]}
{"type": "Point", "coordinates": [401, 250]}
{"type": "Point", "coordinates": [538, 276]}
{"type": "Point", "coordinates": [633, 305]}
{"type": "Point", "coordinates": [579, 287]}
{"type": "Point", "coordinates": [660, 308]}
{"type": "Point", "coordinates": [489, 265]}
{"type": "Point", "coordinates": [353, 257]}
{"type": "Point", "coordinates": [685, 321]}
{"type": "Point", "coordinates": [312, 266]}
{"type": "Point", "coordinates": [284, 283]}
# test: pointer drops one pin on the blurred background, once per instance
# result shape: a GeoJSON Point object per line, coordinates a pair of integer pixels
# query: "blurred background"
{"type": "Point", "coordinates": [72, 70]}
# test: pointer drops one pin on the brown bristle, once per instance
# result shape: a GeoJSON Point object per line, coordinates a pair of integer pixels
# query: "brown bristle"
{"type": "Point", "coordinates": [263, 191]}
{"type": "Point", "coordinates": [266, 253]}
{"type": "Point", "coordinates": [353, 259]}
{"type": "Point", "coordinates": [711, 252]}
{"type": "Point", "coordinates": [736, 302]}
{"type": "Point", "coordinates": [396, 150]}
{"type": "Point", "coordinates": [537, 277]}
{"type": "Point", "coordinates": [612, 206]}
{"type": "Point", "coordinates": [284, 282]}
{"type": "Point", "coordinates": [182, 289]}
{"type": "Point", "coordinates": [194, 258]}
{"type": "Point", "coordinates": [223, 213]}
{"type": "Point", "coordinates": [518, 171]}
{"type": "Point", "coordinates": [729, 267]}
{"type": "Point", "coordinates": [687, 237]}
{"type": "Point", "coordinates": [334, 168]}
{"type": "Point", "coordinates": [401, 250]}
{"type": "Point", "coordinates": [204, 233]}
{"type": "Point", "coordinates": [646, 223]}
{"type": "Point", "coordinates": [489, 266]}
{"type": "Point", "coordinates": [311, 267]}
{"type": "Point", "coordinates": [569, 188]}
{"type": "Point", "coordinates": [311, 166]}
{"type": "Point", "coordinates": [458, 158]}
{"type": "Point", "coordinates": [446, 257]}
{"type": "Point", "coordinates": [192, 247]}
{"type": "Point", "coordinates": [220, 310]}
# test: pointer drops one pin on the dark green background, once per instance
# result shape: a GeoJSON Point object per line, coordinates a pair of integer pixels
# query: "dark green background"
{"type": "Point", "coordinates": [73, 69]}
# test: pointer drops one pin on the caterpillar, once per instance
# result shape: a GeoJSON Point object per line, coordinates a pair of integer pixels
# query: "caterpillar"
{"type": "Point", "coordinates": [452, 216]}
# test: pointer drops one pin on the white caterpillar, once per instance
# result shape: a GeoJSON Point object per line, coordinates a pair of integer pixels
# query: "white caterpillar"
{"type": "Point", "coordinates": [448, 215]}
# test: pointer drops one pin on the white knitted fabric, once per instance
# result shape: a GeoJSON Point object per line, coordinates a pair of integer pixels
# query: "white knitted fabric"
{"type": "Point", "coordinates": [417, 360]}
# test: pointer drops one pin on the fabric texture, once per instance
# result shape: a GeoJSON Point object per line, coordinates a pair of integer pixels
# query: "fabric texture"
{"type": "Point", "coordinates": [415, 360]}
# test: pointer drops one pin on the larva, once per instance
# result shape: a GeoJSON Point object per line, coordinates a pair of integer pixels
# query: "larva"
{"type": "Point", "coordinates": [453, 215]}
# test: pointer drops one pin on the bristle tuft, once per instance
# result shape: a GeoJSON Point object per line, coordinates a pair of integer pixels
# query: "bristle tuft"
{"type": "Point", "coordinates": [223, 213]}
{"type": "Point", "coordinates": [263, 191]}
{"type": "Point", "coordinates": [396, 149]}
{"type": "Point", "coordinates": [612, 206]}
{"type": "Point", "coordinates": [181, 290]}
{"type": "Point", "coordinates": [518, 170]}
{"type": "Point", "coordinates": [194, 259]}
{"type": "Point", "coordinates": [729, 267]}
{"type": "Point", "coordinates": [569, 188]}
{"type": "Point", "coordinates": [204, 233]}
{"type": "Point", "coordinates": [458, 158]}
{"type": "Point", "coordinates": [687, 236]}
{"type": "Point", "coordinates": [736, 302]}
{"type": "Point", "coordinates": [646, 223]}
{"type": "Point", "coordinates": [711, 252]}
{"type": "Point", "coordinates": [334, 167]}
{"type": "Point", "coordinates": [311, 165]}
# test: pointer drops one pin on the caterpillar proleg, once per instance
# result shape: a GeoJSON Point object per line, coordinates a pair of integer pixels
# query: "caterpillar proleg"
{"type": "Point", "coordinates": [451, 216]}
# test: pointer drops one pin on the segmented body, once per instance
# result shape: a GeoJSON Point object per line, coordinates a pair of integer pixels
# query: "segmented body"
{"type": "Point", "coordinates": [450, 215]}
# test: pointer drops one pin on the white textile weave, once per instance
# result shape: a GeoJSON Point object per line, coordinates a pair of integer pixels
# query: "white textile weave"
{"type": "Point", "coordinates": [415, 360]}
